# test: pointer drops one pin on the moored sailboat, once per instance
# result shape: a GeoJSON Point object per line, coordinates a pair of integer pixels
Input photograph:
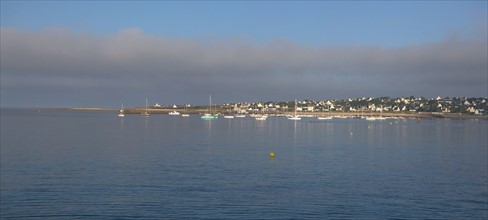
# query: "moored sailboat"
{"type": "Point", "coordinates": [145, 113]}
{"type": "Point", "coordinates": [209, 114]}
{"type": "Point", "coordinates": [295, 117]}
{"type": "Point", "coordinates": [121, 111]}
{"type": "Point", "coordinates": [185, 114]}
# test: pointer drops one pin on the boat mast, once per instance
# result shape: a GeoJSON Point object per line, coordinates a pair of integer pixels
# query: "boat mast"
{"type": "Point", "coordinates": [146, 106]}
{"type": "Point", "coordinates": [210, 102]}
{"type": "Point", "coordinates": [295, 108]}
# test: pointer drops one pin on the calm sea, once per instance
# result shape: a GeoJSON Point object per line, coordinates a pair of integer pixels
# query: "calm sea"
{"type": "Point", "coordinates": [94, 165]}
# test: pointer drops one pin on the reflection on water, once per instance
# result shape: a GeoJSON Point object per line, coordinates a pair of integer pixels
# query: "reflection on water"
{"type": "Point", "coordinates": [96, 165]}
{"type": "Point", "coordinates": [294, 132]}
{"type": "Point", "coordinates": [121, 123]}
{"type": "Point", "coordinates": [208, 126]}
{"type": "Point", "coordinates": [146, 121]}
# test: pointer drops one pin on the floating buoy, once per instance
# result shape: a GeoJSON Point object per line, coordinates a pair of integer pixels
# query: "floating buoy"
{"type": "Point", "coordinates": [271, 154]}
{"type": "Point", "coordinates": [351, 133]}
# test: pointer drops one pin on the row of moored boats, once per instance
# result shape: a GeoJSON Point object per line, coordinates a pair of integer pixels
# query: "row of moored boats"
{"type": "Point", "coordinates": [259, 117]}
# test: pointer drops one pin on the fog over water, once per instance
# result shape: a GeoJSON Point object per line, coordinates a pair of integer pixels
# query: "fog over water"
{"type": "Point", "coordinates": [58, 67]}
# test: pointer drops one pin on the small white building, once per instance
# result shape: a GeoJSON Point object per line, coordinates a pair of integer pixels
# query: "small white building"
{"type": "Point", "coordinates": [309, 108]}
{"type": "Point", "coordinates": [479, 111]}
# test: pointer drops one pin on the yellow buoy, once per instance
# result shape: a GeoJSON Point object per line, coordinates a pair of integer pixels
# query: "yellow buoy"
{"type": "Point", "coordinates": [271, 154]}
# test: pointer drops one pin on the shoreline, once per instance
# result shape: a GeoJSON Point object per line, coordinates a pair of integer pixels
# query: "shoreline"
{"type": "Point", "coordinates": [350, 114]}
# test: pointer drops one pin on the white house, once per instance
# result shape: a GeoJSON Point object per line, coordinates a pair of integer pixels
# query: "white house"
{"type": "Point", "coordinates": [479, 111]}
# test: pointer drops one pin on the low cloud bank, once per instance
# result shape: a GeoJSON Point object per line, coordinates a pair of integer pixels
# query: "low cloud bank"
{"type": "Point", "coordinates": [132, 61]}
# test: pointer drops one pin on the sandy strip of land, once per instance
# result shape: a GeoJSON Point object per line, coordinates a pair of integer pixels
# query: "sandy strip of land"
{"type": "Point", "coordinates": [350, 114]}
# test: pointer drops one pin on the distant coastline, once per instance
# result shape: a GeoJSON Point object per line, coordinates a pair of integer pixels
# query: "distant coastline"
{"type": "Point", "coordinates": [350, 114]}
{"type": "Point", "coordinates": [407, 107]}
{"type": "Point", "coordinates": [84, 109]}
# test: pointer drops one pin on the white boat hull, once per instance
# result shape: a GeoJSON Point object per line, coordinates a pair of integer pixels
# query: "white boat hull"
{"type": "Point", "coordinates": [262, 118]}
{"type": "Point", "coordinates": [324, 118]}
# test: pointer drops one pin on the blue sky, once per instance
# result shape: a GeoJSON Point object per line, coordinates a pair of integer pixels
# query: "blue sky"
{"type": "Point", "coordinates": [313, 23]}
{"type": "Point", "coordinates": [98, 54]}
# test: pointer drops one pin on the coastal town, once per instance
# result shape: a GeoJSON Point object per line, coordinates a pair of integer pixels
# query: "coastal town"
{"type": "Point", "coordinates": [400, 106]}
